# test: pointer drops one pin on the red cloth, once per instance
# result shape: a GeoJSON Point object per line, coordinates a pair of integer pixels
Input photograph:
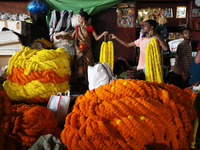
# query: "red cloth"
{"type": "Point", "coordinates": [198, 47]}
{"type": "Point", "coordinates": [89, 29]}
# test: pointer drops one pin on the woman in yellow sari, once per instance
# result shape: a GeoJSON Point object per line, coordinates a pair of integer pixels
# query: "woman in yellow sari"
{"type": "Point", "coordinates": [84, 56]}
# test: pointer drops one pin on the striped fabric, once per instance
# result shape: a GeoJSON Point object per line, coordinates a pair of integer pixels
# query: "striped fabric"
{"type": "Point", "coordinates": [183, 58]}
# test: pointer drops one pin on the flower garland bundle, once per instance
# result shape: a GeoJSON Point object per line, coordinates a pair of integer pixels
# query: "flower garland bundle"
{"type": "Point", "coordinates": [103, 52]}
{"type": "Point", "coordinates": [196, 122]}
{"type": "Point", "coordinates": [131, 114]}
{"type": "Point", "coordinates": [4, 111]}
{"type": "Point", "coordinates": [111, 54]}
{"type": "Point", "coordinates": [35, 74]}
{"type": "Point", "coordinates": [7, 142]}
{"type": "Point", "coordinates": [11, 143]}
{"type": "Point", "coordinates": [153, 69]}
{"type": "Point", "coordinates": [107, 53]}
{"type": "Point", "coordinates": [29, 122]}
{"type": "Point", "coordinates": [4, 105]}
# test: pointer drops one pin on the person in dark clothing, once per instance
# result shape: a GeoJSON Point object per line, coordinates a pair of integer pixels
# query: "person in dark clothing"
{"type": "Point", "coordinates": [179, 74]}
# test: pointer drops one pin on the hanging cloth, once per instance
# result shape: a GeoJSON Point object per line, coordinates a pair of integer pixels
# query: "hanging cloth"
{"type": "Point", "coordinates": [60, 21]}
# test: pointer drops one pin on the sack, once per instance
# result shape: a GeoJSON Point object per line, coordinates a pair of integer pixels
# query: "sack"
{"type": "Point", "coordinates": [59, 106]}
{"type": "Point", "coordinates": [99, 74]}
{"type": "Point", "coordinates": [174, 44]}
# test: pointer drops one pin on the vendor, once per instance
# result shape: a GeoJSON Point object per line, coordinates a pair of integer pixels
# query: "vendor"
{"type": "Point", "coordinates": [84, 56]}
{"type": "Point", "coordinates": [150, 31]}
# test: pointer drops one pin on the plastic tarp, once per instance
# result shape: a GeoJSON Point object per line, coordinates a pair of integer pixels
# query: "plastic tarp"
{"type": "Point", "coordinates": [92, 7]}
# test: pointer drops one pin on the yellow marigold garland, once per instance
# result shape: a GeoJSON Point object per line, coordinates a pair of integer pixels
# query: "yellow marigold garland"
{"type": "Point", "coordinates": [111, 54]}
{"type": "Point", "coordinates": [35, 74]}
{"type": "Point", "coordinates": [131, 114]}
{"type": "Point", "coordinates": [153, 69]}
{"type": "Point", "coordinates": [107, 53]}
{"type": "Point", "coordinates": [33, 89]}
{"type": "Point", "coordinates": [103, 49]}
{"type": "Point", "coordinates": [29, 122]}
{"type": "Point", "coordinates": [41, 59]}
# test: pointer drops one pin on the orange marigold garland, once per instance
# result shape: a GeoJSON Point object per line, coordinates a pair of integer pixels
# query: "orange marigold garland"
{"type": "Point", "coordinates": [4, 105]}
{"type": "Point", "coordinates": [29, 122]}
{"type": "Point", "coordinates": [4, 111]}
{"type": "Point", "coordinates": [6, 141]}
{"type": "Point", "coordinates": [131, 114]}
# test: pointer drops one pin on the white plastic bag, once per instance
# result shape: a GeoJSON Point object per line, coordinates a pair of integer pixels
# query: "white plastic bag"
{"type": "Point", "coordinates": [59, 106]}
{"type": "Point", "coordinates": [99, 74]}
{"type": "Point", "coordinates": [174, 44]}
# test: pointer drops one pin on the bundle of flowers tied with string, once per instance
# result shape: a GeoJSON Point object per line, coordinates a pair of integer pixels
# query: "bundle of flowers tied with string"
{"type": "Point", "coordinates": [34, 74]}
{"type": "Point", "coordinates": [131, 114]}
{"type": "Point", "coordinates": [29, 122]}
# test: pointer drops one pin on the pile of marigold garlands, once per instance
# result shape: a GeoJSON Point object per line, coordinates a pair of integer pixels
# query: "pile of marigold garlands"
{"type": "Point", "coordinates": [131, 114]}
{"type": "Point", "coordinates": [34, 74]}
{"type": "Point", "coordinates": [6, 141]}
{"type": "Point", "coordinates": [29, 122]}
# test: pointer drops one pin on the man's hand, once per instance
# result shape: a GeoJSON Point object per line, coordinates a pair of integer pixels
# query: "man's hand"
{"type": "Point", "coordinates": [112, 36]}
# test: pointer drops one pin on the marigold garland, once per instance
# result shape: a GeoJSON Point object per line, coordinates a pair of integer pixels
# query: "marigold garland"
{"type": "Point", "coordinates": [29, 122]}
{"type": "Point", "coordinates": [35, 74]}
{"type": "Point", "coordinates": [47, 76]}
{"type": "Point", "coordinates": [4, 105]}
{"type": "Point", "coordinates": [107, 53]}
{"type": "Point", "coordinates": [131, 114]}
{"type": "Point", "coordinates": [6, 141]}
{"type": "Point", "coordinates": [34, 91]}
{"type": "Point", "coordinates": [153, 69]}
{"type": "Point", "coordinates": [196, 122]}
{"type": "Point", "coordinates": [4, 112]}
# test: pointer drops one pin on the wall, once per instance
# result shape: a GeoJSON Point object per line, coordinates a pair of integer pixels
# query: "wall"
{"type": "Point", "coordinates": [14, 7]}
{"type": "Point", "coordinates": [195, 34]}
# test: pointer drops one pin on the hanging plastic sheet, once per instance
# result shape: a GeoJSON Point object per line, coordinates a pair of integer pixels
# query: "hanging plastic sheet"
{"type": "Point", "coordinates": [92, 7]}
